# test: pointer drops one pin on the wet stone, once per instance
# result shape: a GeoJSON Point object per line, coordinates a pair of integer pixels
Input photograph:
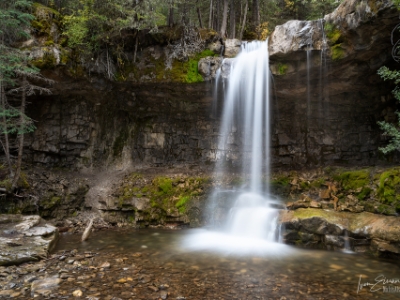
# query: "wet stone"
{"type": "Point", "coordinates": [163, 295]}
{"type": "Point", "coordinates": [77, 293]}
{"type": "Point", "coordinates": [153, 288]}
{"type": "Point", "coordinates": [6, 293]}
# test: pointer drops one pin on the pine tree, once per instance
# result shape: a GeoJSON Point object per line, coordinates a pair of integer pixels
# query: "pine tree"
{"type": "Point", "coordinates": [15, 19]}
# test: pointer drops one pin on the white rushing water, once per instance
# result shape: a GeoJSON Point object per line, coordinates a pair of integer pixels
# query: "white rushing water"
{"type": "Point", "coordinates": [251, 226]}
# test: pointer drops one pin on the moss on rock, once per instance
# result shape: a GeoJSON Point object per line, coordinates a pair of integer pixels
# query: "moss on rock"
{"type": "Point", "coordinates": [48, 61]}
{"type": "Point", "coordinates": [168, 196]}
{"type": "Point", "coordinates": [389, 187]}
{"type": "Point", "coordinates": [337, 52]}
{"type": "Point", "coordinates": [353, 180]}
{"type": "Point", "coordinates": [282, 68]}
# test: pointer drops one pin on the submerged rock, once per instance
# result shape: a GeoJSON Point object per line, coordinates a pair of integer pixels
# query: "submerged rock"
{"type": "Point", "coordinates": [29, 240]}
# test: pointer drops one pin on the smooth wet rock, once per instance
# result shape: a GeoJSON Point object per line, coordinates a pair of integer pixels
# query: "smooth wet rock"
{"type": "Point", "coordinates": [28, 222]}
{"type": "Point", "coordinates": [29, 240]}
{"type": "Point", "coordinates": [163, 295]}
{"type": "Point", "coordinates": [44, 287]}
{"type": "Point", "coordinates": [105, 265]}
{"type": "Point", "coordinates": [45, 230]}
{"type": "Point", "coordinates": [77, 293]}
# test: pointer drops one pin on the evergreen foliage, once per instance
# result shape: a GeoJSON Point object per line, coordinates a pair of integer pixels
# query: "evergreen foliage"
{"type": "Point", "coordinates": [15, 70]}
{"type": "Point", "coordinates": [389, 129]}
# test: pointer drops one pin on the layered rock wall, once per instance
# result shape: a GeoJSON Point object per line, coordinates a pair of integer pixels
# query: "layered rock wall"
{"type": "Point", "coordinates": [327, 99]}
{"type": "Point", "coordinates": [101, 124]}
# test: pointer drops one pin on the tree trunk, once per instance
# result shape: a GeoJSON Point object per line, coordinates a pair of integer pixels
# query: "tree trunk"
{"type": "Point", "coordinates": [21, 135]}
{"type": "Point", "coordinates": [232, 21]}
{"type": "Point", "coordinates": [136, 46]}
{"type": "Point", "coordinates": [255, 15]}
{"type": "Point", "coordinates": [6, 145]}
{"type": "Point", "coordinates": [199, 15]}
{"type": "Point", "coordinates": [216, 15]}
{"type": "Point", "coordinates": [224, 18]}
{"type": "Point", "coordinates": [210, 20]}
{"type": "Point", "coordinates": [171, 15]}
{"type": "Point", "coordinates": [184, 20]}
{"type": "Point", "coordinates": [244, 20]}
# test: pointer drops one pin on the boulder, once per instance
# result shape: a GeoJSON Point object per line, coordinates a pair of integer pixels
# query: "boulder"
{"type": "Point", "coordinates": [25, 238]}
{"type": "Point", "coordinates": [380, 233]}
{"type": "Point", "coordinates": [232, 47]}
{"type": "Point", "coordinates": [208, 67]}
{"type": "Point", "coordinates": [216, 47]}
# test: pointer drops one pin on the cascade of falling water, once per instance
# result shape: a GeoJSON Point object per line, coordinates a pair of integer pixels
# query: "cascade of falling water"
{"type": "Point", "coordinates": [322, 71]}
{"type": "Point", "coordinates": [252, 221]}
{"type": "Point", "coordinates": [215, 96]}
{"type": "Point", "coordinates": [347, 247]}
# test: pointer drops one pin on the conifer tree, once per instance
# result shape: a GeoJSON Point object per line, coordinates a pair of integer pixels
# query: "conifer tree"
{"type": "Point", "coordinates": [15, 19]}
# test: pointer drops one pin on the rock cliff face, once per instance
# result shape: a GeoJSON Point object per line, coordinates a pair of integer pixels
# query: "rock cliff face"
{"type": "Point", "coordinates": [328, 96]}
{"type": "Point", "coordinates": [95, 124]}
{"type": "Point", "coordinates": [327, 101]}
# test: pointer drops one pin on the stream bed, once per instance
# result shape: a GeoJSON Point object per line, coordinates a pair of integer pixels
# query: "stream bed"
{"type": "Point", "coordinates": [151, 264]}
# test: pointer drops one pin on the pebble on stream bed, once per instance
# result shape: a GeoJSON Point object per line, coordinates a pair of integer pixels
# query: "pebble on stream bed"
{"type": "Point", "coordinates": [113, 276]}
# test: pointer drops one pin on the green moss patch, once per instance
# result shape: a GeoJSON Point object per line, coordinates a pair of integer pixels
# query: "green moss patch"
{"type": "Point", "coordinates": [156, 71]}
{"type": "Point", "coordinates": [337, 52]}
{"type": "Point", "coordinates": [389, 187]}
{"type": "Point", "coordinates": [166, 194]}
{"type": "Point", "coordinates": [332, 33]}
{"type": "Point", "coordinates": [280, 185]}
{"type": "Point", "coordinates": [44, 19]}
{"type": "Point", "coordinates": [48, 61]}
{"type": "Point", "coordinates": [188, 72]}
{"type": "Point", "coordinates": [282, 68]}
{"type": "Point", "coordinates": [353, 180]}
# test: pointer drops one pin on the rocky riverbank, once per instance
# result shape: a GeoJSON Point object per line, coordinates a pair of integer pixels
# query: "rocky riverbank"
{"type": "Point", "coordinates": [149, 264]}
{"type": "Point", "coordinates": [178, 198]}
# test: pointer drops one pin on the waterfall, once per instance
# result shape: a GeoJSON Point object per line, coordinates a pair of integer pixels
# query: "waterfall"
{"type": "Point", "coordinates": [251, 225]}
{"type": "Point", "coordinates": [323, 106]}
{"type": "Point", "coordinates": [246, 113]}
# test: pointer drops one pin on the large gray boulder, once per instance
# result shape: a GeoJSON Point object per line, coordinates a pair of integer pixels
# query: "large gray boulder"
{"type": "Point", "coordinates": [25, 238]}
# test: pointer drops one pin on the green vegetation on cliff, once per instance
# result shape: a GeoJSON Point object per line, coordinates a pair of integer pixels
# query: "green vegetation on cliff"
{"type": "Point", "coordinates": [108, 37]}
{"type": "Point", "coordinates": [167, 195]}
{"type": "Point", "coordinates": [353, 180]}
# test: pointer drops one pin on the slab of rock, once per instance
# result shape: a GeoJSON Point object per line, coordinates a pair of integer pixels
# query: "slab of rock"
{"type": "Point", "coordinates": [28, 222]}
{"type": "Point", "coordinates": [381, 232]}
{"type": "Point", "coordinates": [25, 238]}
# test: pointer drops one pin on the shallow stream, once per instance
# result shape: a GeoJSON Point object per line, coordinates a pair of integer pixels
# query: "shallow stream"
{"type": "Point", "coordinates": [152, 264]}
